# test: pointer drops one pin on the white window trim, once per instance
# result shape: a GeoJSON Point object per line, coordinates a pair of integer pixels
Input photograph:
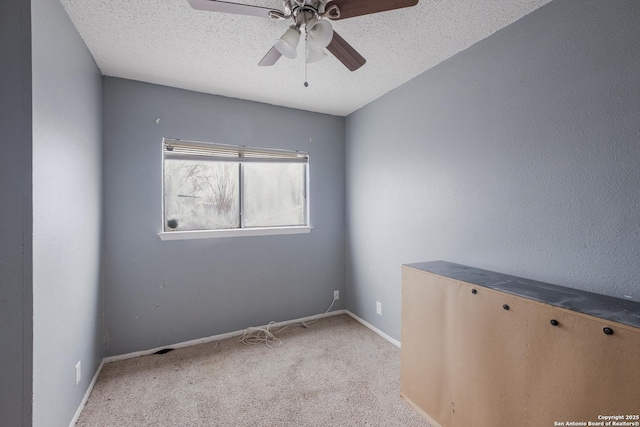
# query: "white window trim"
{"type": "Point", "coordinates": [235, 232]}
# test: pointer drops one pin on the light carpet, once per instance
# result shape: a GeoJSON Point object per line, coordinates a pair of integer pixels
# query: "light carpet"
{"type": "Point", "coordinates": [334, 373]}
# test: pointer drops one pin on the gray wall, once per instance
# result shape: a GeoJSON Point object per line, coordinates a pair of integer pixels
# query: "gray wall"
{"type": "Point", "coordinates": [165, 292]}
{"type": "Point", "coordinates": [519, 155]}
{"type": "Point", "coordinates": [15, 214]}
{"type": "Point", "coordinates": [67, 208]}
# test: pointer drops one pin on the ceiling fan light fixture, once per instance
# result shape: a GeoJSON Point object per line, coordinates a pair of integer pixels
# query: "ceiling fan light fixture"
{"type": "Point", "coordinates": [319, 33]}
{"type": "Point", "coordinates": [314, 55]}
{"type": "Point", "coordinates": [288, 43]}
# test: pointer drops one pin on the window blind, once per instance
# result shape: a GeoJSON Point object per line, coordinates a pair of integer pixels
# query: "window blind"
{"type": "Point", "coordinates": [193, 150]}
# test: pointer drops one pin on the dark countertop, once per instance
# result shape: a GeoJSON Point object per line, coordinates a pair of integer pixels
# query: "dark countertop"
{"type": "Point", "coordinates": [605, 307]}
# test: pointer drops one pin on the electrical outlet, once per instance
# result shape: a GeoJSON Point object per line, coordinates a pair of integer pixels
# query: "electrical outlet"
{"type": "Point", "coordinates": [78, 373]}
{"type": "Point", "coordinates": [378, 308]}
{"type": "Point", "coordinates": [336, 295]}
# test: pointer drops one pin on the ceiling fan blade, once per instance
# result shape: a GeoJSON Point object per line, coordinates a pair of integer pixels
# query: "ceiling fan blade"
{"type": "Point", "coordinates": [351, 8]}
{"type": "Point", "coordinates": [345, 53]}
{"type": "Point", "coordinates": [226, 7]}
{"type": "Point", "coordinates": [270, 58]}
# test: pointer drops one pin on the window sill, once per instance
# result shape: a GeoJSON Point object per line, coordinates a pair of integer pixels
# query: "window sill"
{"type": "Point", "coordinates": [239, 232]}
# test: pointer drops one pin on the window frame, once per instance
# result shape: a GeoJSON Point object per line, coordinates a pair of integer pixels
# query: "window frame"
{"type": "Point", "coordinates": [254, 154]}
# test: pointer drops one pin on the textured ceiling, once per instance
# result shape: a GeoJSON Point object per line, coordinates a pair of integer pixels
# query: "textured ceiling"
{"type": "Point", "coordinates": [168, 43]}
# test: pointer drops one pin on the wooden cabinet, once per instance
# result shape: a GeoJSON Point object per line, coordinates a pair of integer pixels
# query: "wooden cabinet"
{"type": "Point", "coordinates": [488, 350]}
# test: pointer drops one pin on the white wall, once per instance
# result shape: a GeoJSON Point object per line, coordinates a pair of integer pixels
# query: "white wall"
{"type": "Point", "coordinates": [67, 204]}
{"type": "Point", "coordinates": [519, 155]}
{"type": "Point", "coordinates": [165, 292]}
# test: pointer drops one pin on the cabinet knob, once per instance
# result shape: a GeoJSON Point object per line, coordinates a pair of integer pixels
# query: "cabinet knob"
{"type": "Point", "coordinates": [506, 307]}
{"type": "Point", "coordinates": [608, 331]}
{"type": "Point", "coordinates": [474, 291]}
{"type": "Point", "coordinates": [554, 322]}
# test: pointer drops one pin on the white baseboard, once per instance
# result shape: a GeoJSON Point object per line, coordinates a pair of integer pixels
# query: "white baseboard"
{"type": "Point", "coordinates": [86, 395]}
{"type": "Point", "coordinates": [216, 337]}
{"type": "Point", "coordinates": [376, 330]}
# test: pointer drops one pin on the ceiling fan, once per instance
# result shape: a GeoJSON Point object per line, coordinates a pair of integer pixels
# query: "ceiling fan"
{"type": "Point", "coordinates": [314, 16]}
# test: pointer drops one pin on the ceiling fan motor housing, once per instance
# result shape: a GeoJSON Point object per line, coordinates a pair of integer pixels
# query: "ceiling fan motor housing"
{"type": "Point", "coordinates": [296, 7]}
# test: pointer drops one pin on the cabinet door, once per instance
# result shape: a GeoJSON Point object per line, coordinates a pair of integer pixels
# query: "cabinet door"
{"type": "Point", "coordinates": [576, 372]}
{"type": "Point", "coordinates": [463, 354]}
{"type": "Point", "coordinates": [487, 364]}
{"type": "Point", "coordinates": [428, 310]}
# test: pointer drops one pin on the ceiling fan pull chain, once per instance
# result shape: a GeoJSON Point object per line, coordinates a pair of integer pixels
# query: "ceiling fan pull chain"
{"type": "Point", "coordinates": [306, 55]}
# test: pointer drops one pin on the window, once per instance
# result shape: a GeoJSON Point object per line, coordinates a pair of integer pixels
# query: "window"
{"type": "Point", "coordinates": [215, 190]}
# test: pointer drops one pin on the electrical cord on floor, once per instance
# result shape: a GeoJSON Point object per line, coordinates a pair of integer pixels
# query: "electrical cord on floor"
{"type": "Point", "coordinates": [253, 336]}
{"type": "Point", "coordinates": [315, 318]}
